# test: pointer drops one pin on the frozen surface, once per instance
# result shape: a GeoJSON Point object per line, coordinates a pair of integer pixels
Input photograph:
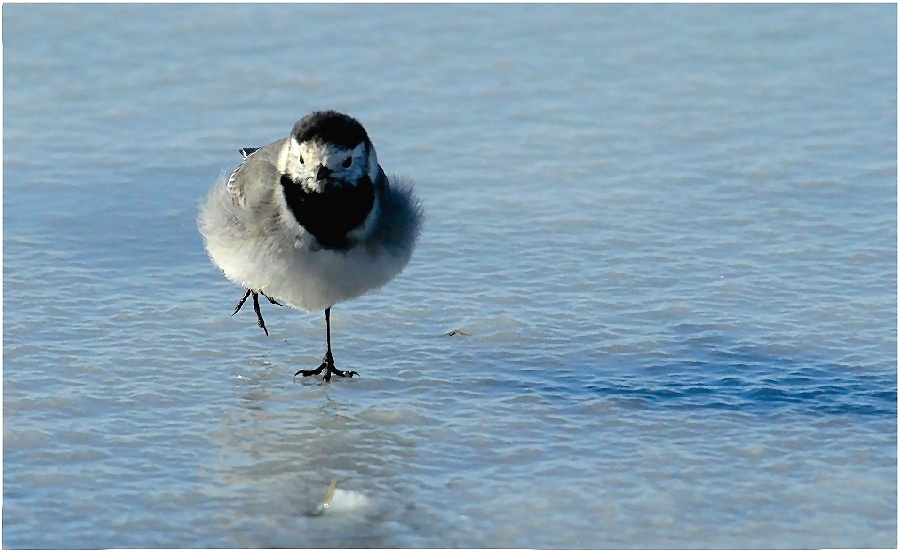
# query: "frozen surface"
{"type": "Point", "coordinates": [669, 231]}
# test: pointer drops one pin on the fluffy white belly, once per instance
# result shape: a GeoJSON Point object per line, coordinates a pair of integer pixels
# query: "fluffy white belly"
{"type": "Point", "coordinates": [304, 277]}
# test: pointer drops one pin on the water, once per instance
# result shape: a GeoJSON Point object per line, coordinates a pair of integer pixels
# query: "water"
{"type": "Point", "coordinates": [669, 231]}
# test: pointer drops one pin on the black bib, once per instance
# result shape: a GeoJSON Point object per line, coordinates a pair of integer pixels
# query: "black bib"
{"type": "Point", "coordinates": [331, 214]}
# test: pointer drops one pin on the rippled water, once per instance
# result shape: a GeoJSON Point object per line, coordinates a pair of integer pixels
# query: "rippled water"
{"type": "Point", "coordinates": [669, 233]}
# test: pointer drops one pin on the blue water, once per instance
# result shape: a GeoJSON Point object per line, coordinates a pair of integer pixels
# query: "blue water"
{"type": "Point", "coordinates": [668, 235]}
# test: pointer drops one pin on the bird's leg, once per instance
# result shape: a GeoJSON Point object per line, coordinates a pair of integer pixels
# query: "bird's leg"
{"type": "Point", "coordinates": [259, 317]}
{"type": "Point", "coordinates": [328, 361]}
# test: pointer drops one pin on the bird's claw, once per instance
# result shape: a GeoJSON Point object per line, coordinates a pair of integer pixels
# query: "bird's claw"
{"type": "Point", "coordinates": [328, 367]}
{"type": "Point", "coordinates": [343, 373]}
{"type": "Point", "coordinates": [241, 302]}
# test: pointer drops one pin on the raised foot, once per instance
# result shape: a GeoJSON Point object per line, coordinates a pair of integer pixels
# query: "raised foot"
{"type": "Point", "coordinates": [259, 317]}
{"type": "Point", "coordinates": [327, 366]}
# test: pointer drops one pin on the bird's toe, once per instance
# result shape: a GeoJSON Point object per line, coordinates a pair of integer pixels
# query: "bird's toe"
{"type": "Point", "coordinates": [308, 373]}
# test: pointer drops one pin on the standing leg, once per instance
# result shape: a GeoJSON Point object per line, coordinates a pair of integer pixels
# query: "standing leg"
{"type": "Point", "coordinates": [327, 362]}
{"type": "Point", "coordinates": [328, 335]}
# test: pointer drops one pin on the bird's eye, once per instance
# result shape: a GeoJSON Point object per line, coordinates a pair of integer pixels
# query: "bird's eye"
{"type": "Point", "coordinates": [347, 162]}
{"type": "Point", "coordinates": [300, 157]}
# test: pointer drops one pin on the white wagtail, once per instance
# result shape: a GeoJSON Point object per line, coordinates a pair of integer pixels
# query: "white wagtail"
{"type": "Point", "coordinates": [311, 220]}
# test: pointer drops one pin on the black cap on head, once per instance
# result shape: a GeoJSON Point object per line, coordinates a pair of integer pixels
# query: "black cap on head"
{"type": "Point", "coordinates": [330, 127]}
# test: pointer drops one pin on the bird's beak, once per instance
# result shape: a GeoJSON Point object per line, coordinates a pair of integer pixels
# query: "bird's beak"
{"type": "Point", "coordinates": [323, 173]}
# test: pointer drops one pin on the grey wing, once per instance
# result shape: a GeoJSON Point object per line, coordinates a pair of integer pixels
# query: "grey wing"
{"type": "Point", "coordinates": [266, 153]}
{"type": "Point", "coordinates": [242, 205]}
{"type": "Point", "coordinates": [255, 173]}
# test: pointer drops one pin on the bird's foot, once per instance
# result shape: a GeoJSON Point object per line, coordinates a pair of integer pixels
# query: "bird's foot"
{"type": "Point", "coordinates": [328, 367]}
{"type": "Point", "coordinates": [259, 317]}
{"type": "Point", "coordinates": [273, 301]}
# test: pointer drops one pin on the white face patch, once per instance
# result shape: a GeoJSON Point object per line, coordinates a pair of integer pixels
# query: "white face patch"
{"type": "Point", "coordinates": [303, 162]}
{"type": "Point", "coordinates": [373, 167]}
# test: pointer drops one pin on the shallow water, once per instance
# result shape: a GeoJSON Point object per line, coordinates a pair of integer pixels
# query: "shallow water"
{"type": "Point", "coordinates": [669, 232]}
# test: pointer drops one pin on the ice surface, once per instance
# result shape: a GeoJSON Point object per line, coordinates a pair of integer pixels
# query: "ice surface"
{"type": "Point", "coordinates": [665, 237]}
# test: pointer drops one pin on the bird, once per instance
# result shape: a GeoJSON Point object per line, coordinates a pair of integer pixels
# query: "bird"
{"type": "Point", "coordinates": [311, 220]}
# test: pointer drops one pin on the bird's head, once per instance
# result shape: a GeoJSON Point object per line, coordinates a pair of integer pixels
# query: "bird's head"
{"type": "Point", "coordinates": [329, 175]}
{"type": "Point", "coordinates": [328, 150]}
